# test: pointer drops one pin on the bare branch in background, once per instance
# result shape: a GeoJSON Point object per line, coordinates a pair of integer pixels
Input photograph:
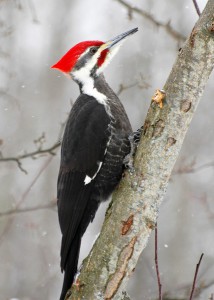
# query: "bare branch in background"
{"type": "Point", "coordinates": [156, 263]}
{"type": "Point", "coordinates": [23, 197]}
{"type": "Point", "coordinates": [141, 83]}
{"type": "Point", "coordinates": [197, 7]}
{"type": "Point", "coordinates": [123, 87]}
{"type": "Point", "coordinates": [18, 4]}
{"type": "Point", "coordinates": [39, 152]}
{"type": "Point", "coordinates": [203, 287]}
{"type": "Point", "coordinates": [195, 277]}
{"type": "Point", "coordinates": [184, 290]}
{"type": "Point", "coordinates": [33, 11]}
{"type": "Point", "coordinates": [172, 32]}
{"type": "Point", "coordinates": [205, 202]}
{"type": "Point", "coordinates": [191, 168]}
{"type": "Point", "coordinates": [35, 178]}
{"type": "Point", "coordinates": [49, 205]}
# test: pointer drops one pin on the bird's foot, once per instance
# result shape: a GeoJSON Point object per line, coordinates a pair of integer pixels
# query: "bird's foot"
{"type": "Point", "coordinates": [136, 136]}
{"type": "Point", "coordinates": [134, 139]}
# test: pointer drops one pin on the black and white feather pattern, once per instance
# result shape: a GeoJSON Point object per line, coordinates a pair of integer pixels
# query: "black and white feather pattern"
{"type": "Point", "coordinates": [83, 148]}
{"type": "Point", "coordinates": [94, 145]}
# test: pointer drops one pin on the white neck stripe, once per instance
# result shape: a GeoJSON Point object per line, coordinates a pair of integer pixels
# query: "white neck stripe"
{"type": "Point", "coordinates": [83, 76]}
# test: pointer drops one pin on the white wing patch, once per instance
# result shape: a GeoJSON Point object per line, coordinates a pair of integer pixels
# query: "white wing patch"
{"type": "Point", "coordinates": [88, 179]}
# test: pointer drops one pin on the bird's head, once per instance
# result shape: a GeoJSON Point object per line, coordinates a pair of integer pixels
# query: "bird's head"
{"type": "Point", "coordinates": [89, 58]}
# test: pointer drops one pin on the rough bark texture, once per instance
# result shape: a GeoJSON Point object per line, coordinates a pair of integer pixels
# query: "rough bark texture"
{"type": "Point", "coordinates": [133, 212]}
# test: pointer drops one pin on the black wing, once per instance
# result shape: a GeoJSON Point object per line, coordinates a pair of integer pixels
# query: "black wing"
{"type": "Point", "coordinates": [83, 148]}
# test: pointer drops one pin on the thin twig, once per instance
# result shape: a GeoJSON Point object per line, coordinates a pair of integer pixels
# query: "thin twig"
{"type": "Point", "coordinates": [206, 205]}
{"type": "Point", "coordinates": [201, 289]}
{"type": "Point", "coordinates": [50, 205]}
{"type": "Point", "coordinates": [20, 202]}
{"type": "Point", "coordinates": [33, 154]}
{"type": "Point", "coordinates": [172, 32]}
{"type": "Point", "coordinates": [123, 87]}
{"type": "Point", "coordinates": [192, 169]}
{"type": "Point", "coordinates": [33, 11]}
{"type": "Point", "coordinates": [38, 152]}
{"type": "Point", "coordinates": [33, 182]}
{"type": "Point", "coordinates": [197, 7]}
{"type": "Point", "coordinates": [195, 277]}
{"type": "Point", "coordinates": [141, 83]}
{"type": "Point", "coordinates": [156, 263]}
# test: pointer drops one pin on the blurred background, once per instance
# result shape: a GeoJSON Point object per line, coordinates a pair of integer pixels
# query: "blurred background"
{"type": "Point", "coordinates": [34, 104]}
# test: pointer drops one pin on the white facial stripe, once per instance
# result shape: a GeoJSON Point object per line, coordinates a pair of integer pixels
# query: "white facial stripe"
{"type": "Point", "coordinates": [84, 53]}
{"type": "Point", "coordinates": [83, 76]}
{"type": "Point", "coordinates": [83, 72]}
{"type": "Point", "coordinates": [88, 85]}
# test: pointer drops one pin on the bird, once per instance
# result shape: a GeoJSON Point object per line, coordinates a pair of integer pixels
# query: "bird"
{"type": "Point", "coordinates": [95, 145]}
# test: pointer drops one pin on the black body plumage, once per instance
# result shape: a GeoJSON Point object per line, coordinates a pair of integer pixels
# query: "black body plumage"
{"type": "Point", "coordinates": [97, 141]}
{"type": "Point", "coordinates": [94, 146]}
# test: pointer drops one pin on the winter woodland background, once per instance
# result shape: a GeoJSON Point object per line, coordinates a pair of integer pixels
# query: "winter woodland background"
{"type": "Point", "coordinates": [34, 103]}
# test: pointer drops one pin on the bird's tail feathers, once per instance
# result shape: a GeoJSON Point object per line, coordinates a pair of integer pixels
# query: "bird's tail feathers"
{"type": "Point", "coordinates": [71, 265]}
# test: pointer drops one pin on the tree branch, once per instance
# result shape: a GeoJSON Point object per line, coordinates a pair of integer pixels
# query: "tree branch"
{"type": "Point", "coordinates": [133, 212]}
{"type": "Point", "coordinates": [172, 32]}
{"type": "Point", "coordinates": [23, 197]}
{"type": "Point", "coordinates": [33, 154]}
{"type": "Point", "coordinates": [196, 7]}
{"type": "Point", "coordinates": [49, 205]}
{"type": "Point", "coordinates": [195, 277]}
{"type": "Point", "coordinates": [191, 168]}
{"type": "Point", "coordinates": [141, 83]}
{"type": "Point", "coordinates": [157, 265]}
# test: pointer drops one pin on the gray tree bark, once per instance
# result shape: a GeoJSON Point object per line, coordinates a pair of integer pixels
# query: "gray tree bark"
{"type": "Point", "coordinates": [133, 212]}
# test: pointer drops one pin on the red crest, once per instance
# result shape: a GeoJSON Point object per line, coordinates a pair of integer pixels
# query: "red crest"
{"type": "Point", "coordinates": [67, 62]}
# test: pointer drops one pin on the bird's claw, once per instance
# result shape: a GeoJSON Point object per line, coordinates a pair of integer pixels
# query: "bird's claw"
{"type": "Point", "coordinates": [134, 139]}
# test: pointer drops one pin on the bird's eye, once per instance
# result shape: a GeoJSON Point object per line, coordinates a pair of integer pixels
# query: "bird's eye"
{"type": "Point", "coordinates": [93, 50]}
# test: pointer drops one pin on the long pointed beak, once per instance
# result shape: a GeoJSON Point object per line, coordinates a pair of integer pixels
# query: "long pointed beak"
{"type": "Point", "coordinates": [118, 38]}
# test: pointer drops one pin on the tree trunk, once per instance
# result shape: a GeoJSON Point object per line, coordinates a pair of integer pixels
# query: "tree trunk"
{"type": "Point", "coordinates": [133, 212]}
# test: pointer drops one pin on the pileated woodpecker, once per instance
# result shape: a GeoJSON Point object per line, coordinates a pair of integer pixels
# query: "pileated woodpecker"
{"type": "Point", "coordinates": [95, 144]}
